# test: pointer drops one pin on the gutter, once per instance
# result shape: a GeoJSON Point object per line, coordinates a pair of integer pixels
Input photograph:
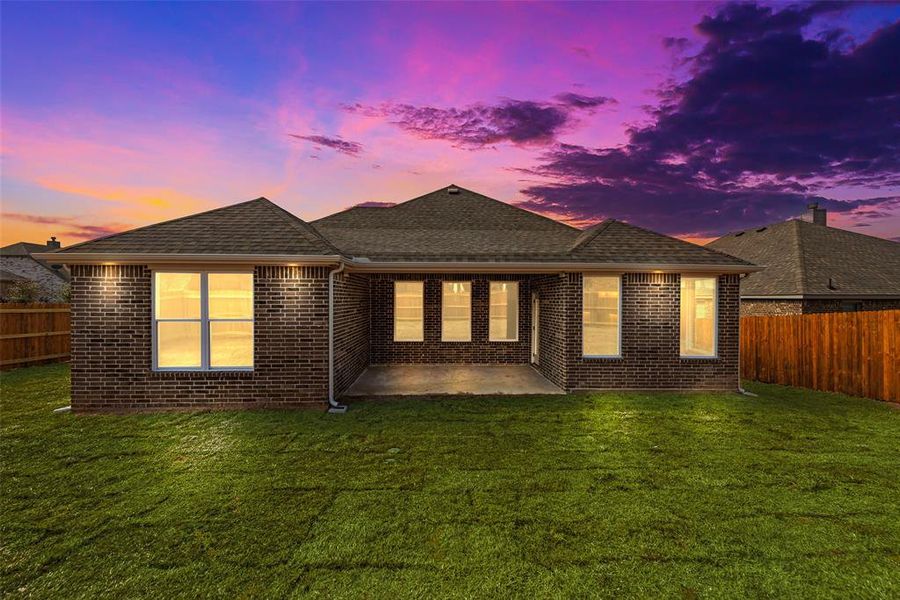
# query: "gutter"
{"type": "Point", "coordinates": [112, 258]}
{"type": "Point", "coordinates": [365, 265]}
{"type": "Point", "coordinates": [362, 264]}
{"type": "Point", "coordinates": [333, 406]}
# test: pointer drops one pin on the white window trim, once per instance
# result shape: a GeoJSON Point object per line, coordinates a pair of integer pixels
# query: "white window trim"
{"type": "Point", "coordinates": [518, 311]}
{"type": "Point", "coordinates": [618, 276]}
{"type": "Point", "coordinates": [715, 279]}
{"type": "Point", "coordinates": [469, 339]}
{"type": "Point", "coordinates": [394, 324]}
{"type": "Point", "coordinates": [204, 322]}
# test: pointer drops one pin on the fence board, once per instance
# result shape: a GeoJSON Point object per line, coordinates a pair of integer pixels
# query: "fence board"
{"type": "Point", "coordinates": [33, 333]}
{"type": "Point", "coordinates": [854, 352]}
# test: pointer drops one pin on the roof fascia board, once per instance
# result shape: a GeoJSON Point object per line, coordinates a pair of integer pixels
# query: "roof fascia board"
{"type": "Point", "coordinates": [541, 267]}
{"type": "Point", "coordinates": [88, 258]}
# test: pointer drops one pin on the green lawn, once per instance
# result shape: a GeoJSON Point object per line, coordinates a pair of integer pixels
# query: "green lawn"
{"type": "Point", "coordinates": [791, 494]}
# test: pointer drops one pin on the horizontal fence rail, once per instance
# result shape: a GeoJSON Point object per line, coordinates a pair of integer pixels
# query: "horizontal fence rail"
{"type": "Point", "coordinates": [31, 334]}
{"type": "Point", "coordinates": [854, 353]}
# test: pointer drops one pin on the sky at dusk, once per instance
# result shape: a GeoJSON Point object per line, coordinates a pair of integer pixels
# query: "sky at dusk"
{"type": "Point", "coordinates": [692, 119]}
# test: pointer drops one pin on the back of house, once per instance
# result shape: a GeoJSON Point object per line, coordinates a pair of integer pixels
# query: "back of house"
{"type": "Point", "coordinates": [249, 305]}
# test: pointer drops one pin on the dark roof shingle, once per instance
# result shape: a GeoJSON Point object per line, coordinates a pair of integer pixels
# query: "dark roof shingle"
{"type": "Point", "coordinates": [252, 227]}
{"type": "Point", "coordinates": [800, 257]}
{"type": "Point", "coordinates": [467, 226]}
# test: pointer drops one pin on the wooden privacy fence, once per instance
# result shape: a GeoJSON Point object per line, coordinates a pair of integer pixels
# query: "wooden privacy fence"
{"type": "Point", "coordinates": [853, 352]}
{"type": "Point", "coordinates": [33, 333]}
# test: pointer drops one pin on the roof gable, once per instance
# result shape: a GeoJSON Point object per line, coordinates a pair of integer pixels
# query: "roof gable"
{"type": "Point", "coordinates": [252, 227]}
{"type": "Point", "coordinates": [442, 225]}
{"type": "Point", "coordinates": [617, 242]}
{"type": "Point", "coordinates": [22, 249]}
{"type": "Point", "coordinates": [801, 257]}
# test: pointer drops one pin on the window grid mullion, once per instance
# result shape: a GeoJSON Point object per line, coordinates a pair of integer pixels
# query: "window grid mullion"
{"type": "Point", "coordinates": [204, 321]}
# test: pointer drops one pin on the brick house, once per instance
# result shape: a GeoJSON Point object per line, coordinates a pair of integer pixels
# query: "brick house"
{"type": "Point", "coordinates": [813, 268]}
{"type": "Point", "coordinates": [249, 306]}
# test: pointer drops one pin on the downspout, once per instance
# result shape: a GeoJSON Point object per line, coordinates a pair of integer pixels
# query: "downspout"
{"type": "Point", "coordinates": [333, 406]}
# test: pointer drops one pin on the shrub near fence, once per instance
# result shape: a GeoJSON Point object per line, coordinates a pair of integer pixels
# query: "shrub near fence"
{"type": "Point", "coordinates": [853, 352]}
{"type": "Point", "coordinates": [33, 333]}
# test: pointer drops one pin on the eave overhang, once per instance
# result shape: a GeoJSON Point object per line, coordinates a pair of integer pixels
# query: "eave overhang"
{"type": "Point", "coordinates": [373, 266]}
{"type": "Point", "coordinates": [98, 258]}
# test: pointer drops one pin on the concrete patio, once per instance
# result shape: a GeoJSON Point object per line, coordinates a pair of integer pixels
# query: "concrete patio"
{"type": "Point", "coordinates": [426, 380]}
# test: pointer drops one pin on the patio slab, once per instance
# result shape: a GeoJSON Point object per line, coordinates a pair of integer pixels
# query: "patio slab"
{"type": "Point", "coordinates": [427, 380]}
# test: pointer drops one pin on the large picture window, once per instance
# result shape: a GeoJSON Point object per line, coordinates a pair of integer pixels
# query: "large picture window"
{"type": "Point", "coordinates": [601, 320]}
{"type": "Point", "coordinates": [202, 321]}
{"type": "Point", "coordinates": [504, 311]}
{"type": "Point", "coordinates": [698, 317]}
{"type": "Point", "coordinates": [456, 311]}
{"type": "Point", "coordinates": [408, 311]}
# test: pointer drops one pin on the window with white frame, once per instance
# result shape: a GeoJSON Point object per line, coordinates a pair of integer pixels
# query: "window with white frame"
{"type": "Point", "coordinates": [504, 311]}
{"type": "Point", "coordinates": [409, 302]}
{"type": "Point", "coordinates": [456, 311]}
{"type": "Point", "coordinates": [202, 320]}
{"type": "Point", "coordinates": [601, 316]}
{"type": "Point", "coordinates": [698, 317]}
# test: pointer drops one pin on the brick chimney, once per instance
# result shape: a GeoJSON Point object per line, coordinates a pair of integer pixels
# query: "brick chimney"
{"type": "Point", "coordinates": [52, 244]}
{"type": "Point", "coordinates": [816, 215]}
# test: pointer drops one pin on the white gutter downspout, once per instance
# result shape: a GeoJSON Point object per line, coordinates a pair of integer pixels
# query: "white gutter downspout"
{"type": "Point", "coordinates": [333, 406]}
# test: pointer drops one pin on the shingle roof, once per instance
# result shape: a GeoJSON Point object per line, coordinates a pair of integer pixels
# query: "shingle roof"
{"type": "Point", "coordinates": [441, 226]}
{"type": "Point", "coordinates": [253, 227]}
{"type": "Point", "coordinates": [467, 226]}
{"type": "Point", "coordinates": [617, 242]}
{"type": "Point", "coordinates": [22, 249]}
{"type": "Point", "coordinates": [10, 276]}
{"type": "Point", "coordinates": [445, 226]}
{"type": "Point", "coordinates": [800, 258]}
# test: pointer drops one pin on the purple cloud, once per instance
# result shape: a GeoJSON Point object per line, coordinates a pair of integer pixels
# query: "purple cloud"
{"type": "Point", "coordinates": [766, 119]}
{"type": "Point", "coordinates": [335, 143]}
{"type": "Point", "coordinates": [68, 227]}
{"type": "Point", "coordinates": [519, 122]}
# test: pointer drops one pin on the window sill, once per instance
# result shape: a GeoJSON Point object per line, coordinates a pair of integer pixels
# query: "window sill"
{"type": "Point", "coordinates": [210, 374]}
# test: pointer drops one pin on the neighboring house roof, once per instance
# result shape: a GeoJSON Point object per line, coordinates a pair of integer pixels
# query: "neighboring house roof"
{"type": "Point", "coordinates": [449, 225]}
{"type": "Point", "coordinates": [802, 258]}
{"type": "Point", "coordinates": [8, 276]}
{"type": "Point", "coordinates": [27, 250]}
{"type": "Point", "coordinates": [22, 249]}
{"type": "Point", "coordinates": [255, 227]}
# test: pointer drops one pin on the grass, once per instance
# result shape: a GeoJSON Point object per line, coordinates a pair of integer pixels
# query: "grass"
{"type": "Point", "coordinates": [791, 494]}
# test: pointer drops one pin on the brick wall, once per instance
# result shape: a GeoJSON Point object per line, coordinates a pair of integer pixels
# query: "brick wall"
{"type": "Point", "coordinates": [553, 292]}
{"type": "Point", "coordinates": [351, 329]}
{"type": "Point", "coordinates": [650, 339]}
{"type": "Point", "coordinates": [479, 351]}
{"type": "Point", "coordinates": [111, 347]}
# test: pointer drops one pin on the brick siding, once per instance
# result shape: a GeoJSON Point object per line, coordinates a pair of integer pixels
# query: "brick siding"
{"type": "Point", "coordinates": [553, 292]}
{"type": "Point", "coordinates": [432, 350]}
{"type": "Point", "coordinates": [351, 329]}
{"type": "Point", "coordinates": [650, 339]}
{"type": "Point", "coordinates": [112, 354]}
